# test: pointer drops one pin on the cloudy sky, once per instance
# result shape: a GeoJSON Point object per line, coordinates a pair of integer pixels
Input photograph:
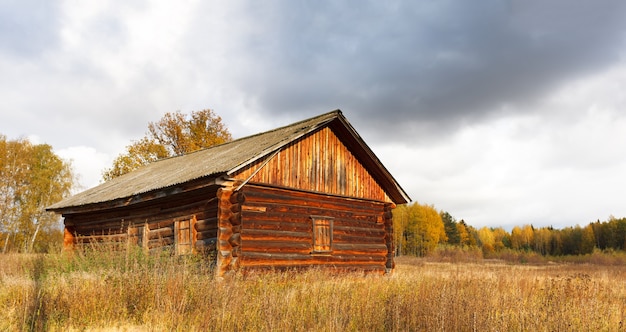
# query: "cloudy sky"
{"type": "Point", "coordinates": [500, 112]}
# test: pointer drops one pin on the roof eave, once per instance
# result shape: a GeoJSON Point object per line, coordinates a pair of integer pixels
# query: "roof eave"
{"type": "Point", "coordinates": [215, 180]}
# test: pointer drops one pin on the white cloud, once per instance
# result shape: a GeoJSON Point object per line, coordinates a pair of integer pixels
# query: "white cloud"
{"type": "Point", "coordinates": [87, 163]}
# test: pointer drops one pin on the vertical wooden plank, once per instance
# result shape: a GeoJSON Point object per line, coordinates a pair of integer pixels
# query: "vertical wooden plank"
{"type": "Point", "coordinates": [318, 162]}
{"type": "Point", "coordinates": [194, 234]}
{"type": "Point", "coordinates": [176, 238]}
{"type": "Point", "coordinates": [327, 165]}
{"type": "Point", "coordinates": [297, 166]}
{"type": "Point", "coordinates": [287, 166]}
{"type": "Point", "coordinates": [183, 237]}
{"type": "Point", "coordinates": [145, 235]}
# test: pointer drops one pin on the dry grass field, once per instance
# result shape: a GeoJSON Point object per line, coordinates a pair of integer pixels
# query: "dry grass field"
{"type": "Point", "coordinates": [135, 292]}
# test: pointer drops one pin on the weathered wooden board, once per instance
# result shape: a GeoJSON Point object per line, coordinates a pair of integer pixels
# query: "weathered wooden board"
{"type": "Point", "coordinates": [281, 234]}
{"type": "Point", "coordinates": [319, 162]}
{"type": "Point", "coordinates": [189, 218]}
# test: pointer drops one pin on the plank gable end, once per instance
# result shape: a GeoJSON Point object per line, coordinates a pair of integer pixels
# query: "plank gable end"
{"type": "Point", "coordinates": [317, 162]}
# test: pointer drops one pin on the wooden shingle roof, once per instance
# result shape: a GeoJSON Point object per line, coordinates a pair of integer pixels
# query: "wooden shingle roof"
{"type": "Point", "coordinates": [224, 159]}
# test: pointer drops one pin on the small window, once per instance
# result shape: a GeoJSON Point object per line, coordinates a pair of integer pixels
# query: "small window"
{"type": "Point", "coordinates": [322, 234]}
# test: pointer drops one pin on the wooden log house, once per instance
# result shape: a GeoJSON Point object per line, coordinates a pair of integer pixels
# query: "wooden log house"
{"type": "Point", "coordinates": [308, 194]}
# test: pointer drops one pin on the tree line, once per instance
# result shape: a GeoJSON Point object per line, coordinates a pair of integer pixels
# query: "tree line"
{"type": "Point", "coordinates": [419, 229]}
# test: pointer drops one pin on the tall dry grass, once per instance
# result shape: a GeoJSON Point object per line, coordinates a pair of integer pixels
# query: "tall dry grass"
{"type": "Point", "coordinates": [134, 291]}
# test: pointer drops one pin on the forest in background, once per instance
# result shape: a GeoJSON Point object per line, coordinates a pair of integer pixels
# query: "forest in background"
{"type": "Point", "coordinates": [420, 229]}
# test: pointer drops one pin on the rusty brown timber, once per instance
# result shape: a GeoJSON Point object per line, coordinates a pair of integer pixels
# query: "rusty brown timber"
{"type": "Point", "coordinates": [277, 233]}
{"type": "Point", "coordinates": [308, 194]}
{"type": "Point", "coordinates": [318, 162]}
{"type": "Point", "coordinates": [187, 222]}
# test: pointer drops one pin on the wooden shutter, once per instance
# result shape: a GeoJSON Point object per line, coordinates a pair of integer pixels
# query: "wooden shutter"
{"type": "Point", "coordinates": [184, 236]}
{"type": "Point", "coordinates": [139, 235]}
{"type": "Point", "coordinates": [322, 234]}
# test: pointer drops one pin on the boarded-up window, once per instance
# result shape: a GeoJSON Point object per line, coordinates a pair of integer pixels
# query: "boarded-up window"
{"type": "Point", "coordinates": [184, 236]}
{"type": "Point", "coordinates": [322, 234]}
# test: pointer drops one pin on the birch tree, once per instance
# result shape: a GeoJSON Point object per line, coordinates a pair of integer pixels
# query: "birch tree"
{"type": "Point", "coordinates": [33, 177]}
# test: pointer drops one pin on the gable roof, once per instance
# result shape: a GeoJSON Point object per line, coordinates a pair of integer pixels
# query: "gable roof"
{"type": "Point", "coordinates": [227, 158]}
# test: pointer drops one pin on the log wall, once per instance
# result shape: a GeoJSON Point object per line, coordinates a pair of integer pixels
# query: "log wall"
{"type": "Point", "coordinates": [277, 230]}
{"type": "Point", "coordinates": [318, 162]}
{"type": "Point", "coordinates": [187, 223]}
{"type": "Point", "coordinates": [229, 228]}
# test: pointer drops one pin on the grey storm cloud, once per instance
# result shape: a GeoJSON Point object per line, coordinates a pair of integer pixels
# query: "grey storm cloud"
{"type": "Point", "coordinates": [432, 62]}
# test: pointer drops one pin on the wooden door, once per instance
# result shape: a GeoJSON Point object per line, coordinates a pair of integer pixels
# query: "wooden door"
{"type": "Point", "coordinates": [184, 236]}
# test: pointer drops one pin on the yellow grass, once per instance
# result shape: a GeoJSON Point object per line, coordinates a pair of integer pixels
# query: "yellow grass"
{"type": "Point", "coordinates": [135, 292]}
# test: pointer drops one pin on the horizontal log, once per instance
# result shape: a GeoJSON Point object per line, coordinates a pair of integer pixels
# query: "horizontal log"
{"type": "Point", "coordinates": [261, 224]}
{"type": "Point", "coordinates": [100, 229]}
{"type": "Point", "coordinates": [162, 242]}
{"type": "Point", "coordinates": [305, 218]}
{"type": "Point", "coordinates": [359, 246]}
{"type": "Point", "coordinates": [207, 224]}
{"type": "Point", "coordinates": [343, 238]}
{"type": "Point", "coordinates": [223, 245]}
{"type": "Point", "coordinates": [235, 208]}
{"type": "Point", "coordinates": [207, 234]}
{"type": "Point", "coordinates": [224, 203]}
{"type": "Point", "coordinates": [354, 268]}
{"type": "Point", "coordinates": [135, 231]}
{"type": "Point", "coordinates": [105, 246]}
{"type": "Point", "coordinates": [269, 235]}
{"type": "Point", "coordinates": [236, 252]}
{"type": "Point", "coordinates": [237, 198]}
{"type": "Point", "coordinates": [235, 218]}
{"type": "Point", "coordinates": [168, 223]}
{"type": "Point", "coordinates": [102, 238]}
{"type": "Point", "coordinates": [264, 258]}
{"type": "Point", "coordinates": [361, 252]}
{"type": "Point", "coordinates": [266, 194]}
{"type": "Point", "coordinates": [160, 232]}
{"type": "Point", "coordinates": [253, 208]}
{"type": "Point", "coordinates": [306, 227]}
{"type": "Point", "coordinates": [235, 240]}
{"type": "Point", "coordinates": [234, 263]}
{"type": "Point", "coordinates": [224, 216]}
{"type": "Point", "coordinates": [282, 212]}
{"type": "Point", "coordinates": [162, 209]}
{"type": "Point", "coordinates": [224, 233]}
{"type": "Point", "coordinates": [303, 247]}
{"type": "Point", "coordinates": [138, 218]}
{"type": "Point", "coordinates": [208, 242]}
{"type": "Point", "coordinates": [366, 231]}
